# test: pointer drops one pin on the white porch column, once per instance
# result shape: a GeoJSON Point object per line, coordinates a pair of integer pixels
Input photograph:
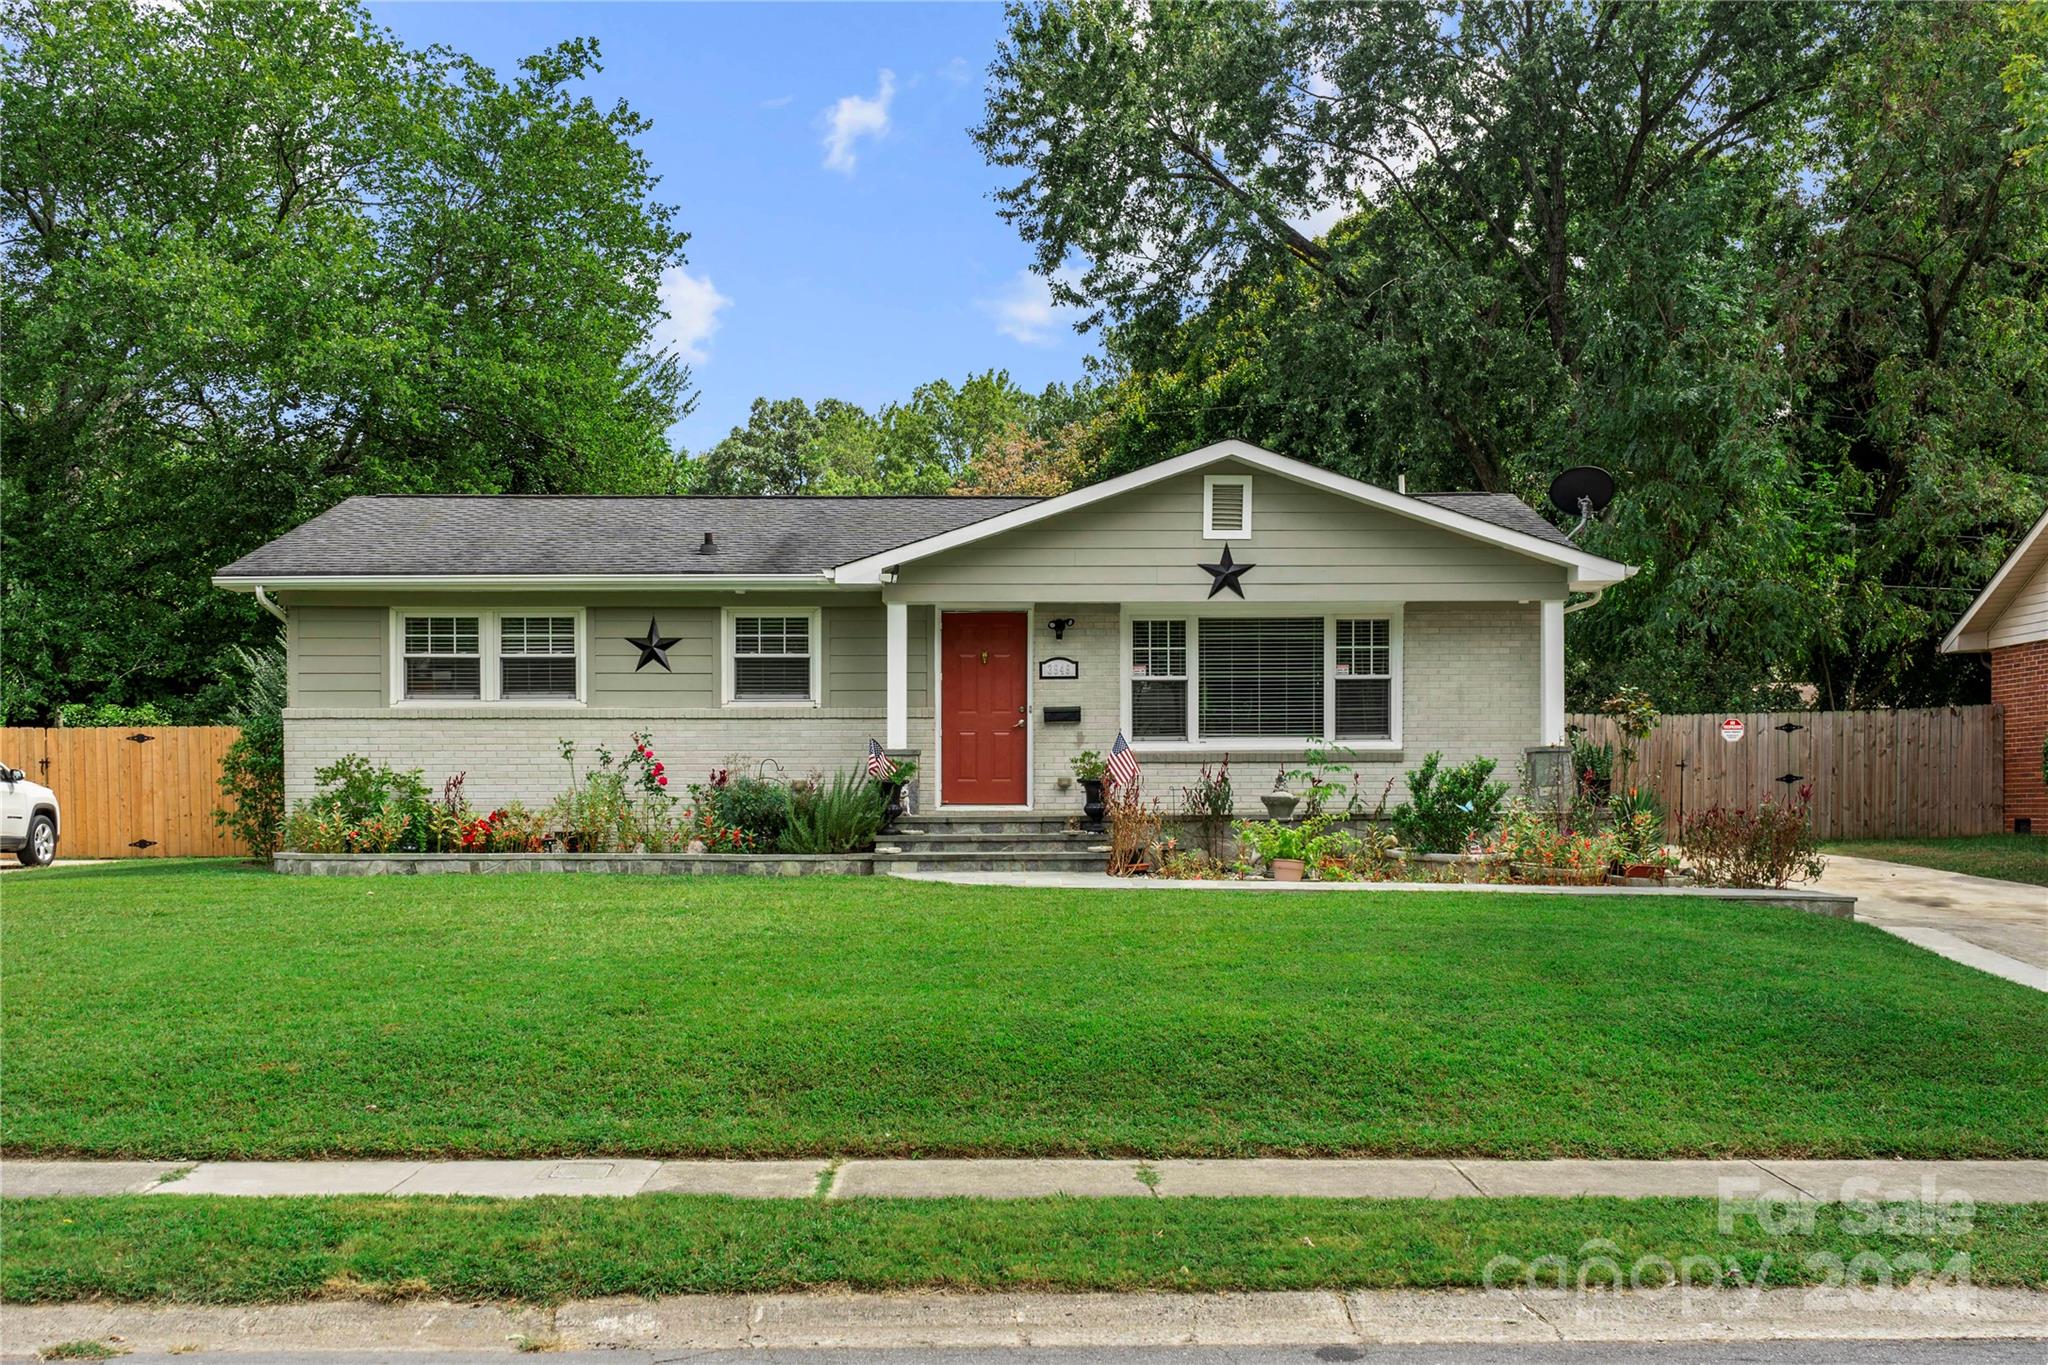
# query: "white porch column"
{"type": "Point", "coordinates": [1552, 655]}
{"type": "Point", "coordinates": [897, 700]}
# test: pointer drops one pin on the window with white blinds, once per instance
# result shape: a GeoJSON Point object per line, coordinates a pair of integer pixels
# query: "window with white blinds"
{"type": "Point", "coordinates": [537, 657]}
{"type": "Point", "coordinates": [1260, 678]}
{"type": "Point", "coordinates": [1283, 678]}
{"type": "Point", "coordinates": [1159, 680]}
{"type": "Point", "coordinates": [443, 658]}
{"type": "Point", "coordinates": [1364, 679]}
{"type": "Point", "coordinates": [771, 658]}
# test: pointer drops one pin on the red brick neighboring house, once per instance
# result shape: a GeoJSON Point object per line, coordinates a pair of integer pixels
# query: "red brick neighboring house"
{"type": "Point", "coordinates": [2009, 620]}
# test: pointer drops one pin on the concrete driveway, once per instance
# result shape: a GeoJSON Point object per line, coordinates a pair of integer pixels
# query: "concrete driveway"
{"type": "Point", "coordinates": [2000, 927]}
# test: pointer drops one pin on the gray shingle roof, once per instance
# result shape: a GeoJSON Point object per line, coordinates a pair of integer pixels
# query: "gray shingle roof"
{"type": "Point", "coordinates": [488, 536]}
{"type": "Point", "coordinates": [1504, 510]}
{"type": "Point", "coordinates": [575, 536]}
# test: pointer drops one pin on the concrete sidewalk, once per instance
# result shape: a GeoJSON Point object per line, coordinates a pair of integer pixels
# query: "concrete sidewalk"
{"type": "Point", "coordinates": [1984, 1182]}
{"type": "Point", "coordinates": [793, 1322]}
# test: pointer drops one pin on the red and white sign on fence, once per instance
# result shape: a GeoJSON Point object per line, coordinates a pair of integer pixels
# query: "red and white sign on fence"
{"type": "Point", "coordinates": [1731, 729]}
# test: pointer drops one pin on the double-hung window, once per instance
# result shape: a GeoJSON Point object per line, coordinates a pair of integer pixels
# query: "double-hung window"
{"type": "Point", "coordinates": [1365, 678]}
{"type": "Point", "coordinates": [444, 658]}
{"type": "Point", "coordinates": [537, 657]}
{"type": "Point", "coordinates": [488, 656]}
{"type": "Point", "coordinates": [1264, 679]}
{"type": "Point", "coordinates": [773, 658]}
{"type": "Point", "coordinates": [1159, 680]}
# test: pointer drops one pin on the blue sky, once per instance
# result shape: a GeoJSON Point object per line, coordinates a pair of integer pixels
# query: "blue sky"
{"type": "Point", "coordinates": [843, 242]}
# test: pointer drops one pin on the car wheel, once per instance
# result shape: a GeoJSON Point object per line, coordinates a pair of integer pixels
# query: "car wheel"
{"type": "Point", "coordinates": [41, 848]}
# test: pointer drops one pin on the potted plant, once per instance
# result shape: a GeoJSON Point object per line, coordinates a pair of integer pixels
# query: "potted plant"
{"type": "Point", "coordinates": [1282, 847]}
{"type": "Point", "coordinates": [1088, 768]}
{"type": "Point", "coordinates": [892, 792]}
{"type": "Point", "coordinates": [1279, 802]}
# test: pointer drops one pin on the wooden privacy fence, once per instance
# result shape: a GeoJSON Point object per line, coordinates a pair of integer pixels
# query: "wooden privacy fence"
{"type": "Point", "coordinates": [1875, 774]}
{"type": "Point", "coordinates": [145, 792]}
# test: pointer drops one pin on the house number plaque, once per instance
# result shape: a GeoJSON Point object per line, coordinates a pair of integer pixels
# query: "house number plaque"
{"type": "Point", "coordinates": [1059, 668]}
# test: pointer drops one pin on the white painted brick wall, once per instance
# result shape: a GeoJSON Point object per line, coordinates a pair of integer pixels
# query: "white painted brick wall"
{"type": "Point", "coordinates": [517, 755]}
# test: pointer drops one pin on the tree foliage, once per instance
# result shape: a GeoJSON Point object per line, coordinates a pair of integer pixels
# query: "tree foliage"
{"type": "Point", "coordinates": [1777, 265]}
{"type": "Point", "coordinates": [260, 257]}
{"type": "Point", "coordinates": [984, 434]}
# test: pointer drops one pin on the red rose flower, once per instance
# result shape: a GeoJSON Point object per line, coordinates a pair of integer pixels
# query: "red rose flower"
{"type": "Point", "coordinates": [661, 781]}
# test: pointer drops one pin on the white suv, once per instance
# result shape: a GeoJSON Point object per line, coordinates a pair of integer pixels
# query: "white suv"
{"type": "Point", "coordinates": [28, 819]}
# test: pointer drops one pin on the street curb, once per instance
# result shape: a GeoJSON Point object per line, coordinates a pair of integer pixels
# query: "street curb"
{"type": "Point", "coordinates": [796, 1321]}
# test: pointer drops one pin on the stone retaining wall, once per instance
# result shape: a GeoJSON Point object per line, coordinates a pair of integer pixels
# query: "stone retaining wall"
{"type": "Point", "coordinates": [675, 864]}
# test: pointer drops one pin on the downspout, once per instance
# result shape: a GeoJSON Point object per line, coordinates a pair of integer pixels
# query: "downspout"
{"type": "Point", "coordinates": [263, 600]}
{"type": "Point", "coordinates": [1592, 601]}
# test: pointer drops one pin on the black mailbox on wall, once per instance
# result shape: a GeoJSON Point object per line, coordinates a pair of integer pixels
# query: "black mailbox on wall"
{"type": "Point", "coordinates": [1062, 715]}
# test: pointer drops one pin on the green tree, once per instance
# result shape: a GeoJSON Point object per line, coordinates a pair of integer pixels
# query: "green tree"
{"type": "Point", "coordinates": [1558, 234]}
{"type": "Point", "coordinates": [260, 257]}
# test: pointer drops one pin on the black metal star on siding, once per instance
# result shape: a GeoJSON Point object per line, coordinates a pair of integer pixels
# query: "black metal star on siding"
{"type": "Point", "coordinates": [1226, 574]}
{"type": "Point", "coordinates": [653, 647]}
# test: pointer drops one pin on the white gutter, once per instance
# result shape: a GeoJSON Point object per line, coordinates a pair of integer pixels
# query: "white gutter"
{"type": "Point", "coordinates": [1592, 601]}
{"type": "Point", "coordinates": [545, 582]}
{"type": "Point", "coordinates": [263, 601]}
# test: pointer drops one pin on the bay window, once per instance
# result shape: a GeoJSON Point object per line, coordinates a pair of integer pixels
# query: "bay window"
{"type": "Point", "coordinates": [1277, 680]}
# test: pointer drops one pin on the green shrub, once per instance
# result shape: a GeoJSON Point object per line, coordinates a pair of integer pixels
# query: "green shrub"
{"type": "Point", "coordinates": [1448, 807]}
{"type": "Point", "coordinates": [361, 809]}
{"type": "Point", "coordinates": [103, 714]}
{"type": "Point", "coordinates": [750, 804]}
{"type": "Point", "coordinates": [252, 770]}
{"type": "Point", "coordinates": [840, 816]}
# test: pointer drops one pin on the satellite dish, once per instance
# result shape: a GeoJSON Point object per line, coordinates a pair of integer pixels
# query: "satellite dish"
{"type": "Point", "coordinates": [1580, 492]}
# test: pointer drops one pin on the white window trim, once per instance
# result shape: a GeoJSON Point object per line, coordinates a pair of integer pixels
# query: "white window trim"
{"type": "Point", "coordinates": [726, 682]}
{"type": "Point", "coordinates": [489, 644]}
{"type": "Point", "coordinates": [1389, 612]}
{"type": "Point", "coordinates": [1209, 531]}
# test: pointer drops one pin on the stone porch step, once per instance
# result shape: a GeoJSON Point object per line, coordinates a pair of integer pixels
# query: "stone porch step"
{"type": "Point", "coordinates": [992, 860]}
{"type": "Point", "coordinates": [988, 822]}
{"type": "Point", "coordinates": [1050, 841]}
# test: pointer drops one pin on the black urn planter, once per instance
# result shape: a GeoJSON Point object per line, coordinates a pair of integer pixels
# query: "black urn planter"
{"type": "Point", "coordinates": [892, 805]}
{"type": "Point", "coordinates": [1092, 809]}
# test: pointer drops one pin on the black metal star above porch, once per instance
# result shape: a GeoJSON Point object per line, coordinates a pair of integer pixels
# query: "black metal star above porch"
{"type": "Point", "coordinates": [653, 647]}
{"type": "Point", "coordinates": [1226, 574]}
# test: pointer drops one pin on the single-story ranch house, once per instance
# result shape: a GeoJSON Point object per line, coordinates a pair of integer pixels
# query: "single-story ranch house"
{"type": "Point", "coordinates": [1230, 600]}
{"type": "Point", "coordinates": [2009, 621]}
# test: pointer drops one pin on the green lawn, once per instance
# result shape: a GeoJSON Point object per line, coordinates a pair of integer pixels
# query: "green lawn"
{"type": "Point", "coordinates": [2011, 857]}
{"type": "Point", "coordinates": [544, 1250]}
{"type": "Point", "coordinates": [207, 1010]}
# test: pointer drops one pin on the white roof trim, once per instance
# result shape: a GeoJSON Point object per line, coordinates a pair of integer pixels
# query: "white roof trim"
{"type": "Point", "coordinates": [1966, 637]}
{"type": "Point", "coordinates": [1588, 571]}
{"type": "Point", "coordinates": [529, 581]}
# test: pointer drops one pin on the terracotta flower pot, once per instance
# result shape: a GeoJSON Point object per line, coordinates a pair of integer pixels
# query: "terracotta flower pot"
{"type": "Point", "coordinates": [1287, 869]}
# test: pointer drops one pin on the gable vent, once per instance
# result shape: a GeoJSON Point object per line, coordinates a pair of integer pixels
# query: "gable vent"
{"type": "Point", "coordinates": [1227, 506]}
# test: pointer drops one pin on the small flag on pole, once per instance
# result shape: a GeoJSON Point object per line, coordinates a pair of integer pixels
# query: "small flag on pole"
{"type": "Point", "coordinates": [879, 764]}
{"type": "Point", "coordinates": [1122, 767]}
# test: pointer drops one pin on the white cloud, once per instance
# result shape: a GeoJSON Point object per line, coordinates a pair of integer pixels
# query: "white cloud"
{"type": "Point", "coordinates": [693, 304]}
{"type": "Point", "coordinates": [856, 117]}
{"type": "Point", "coordinates": [778, 102]}
{"type": "Point", "coordinates": [1024, 310]}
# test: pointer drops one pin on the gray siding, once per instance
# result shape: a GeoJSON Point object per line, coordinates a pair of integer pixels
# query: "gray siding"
{"type": "Point", "coordinates": [338, 658]}
{"type": "Point", "coordinates": [2026, 617]}
{"type": "Point", "coordinates": [1309, 546]}
{"type": "Point", "coordinates": [335, 656]}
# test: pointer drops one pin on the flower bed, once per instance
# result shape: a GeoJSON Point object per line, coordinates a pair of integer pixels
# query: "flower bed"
{"type": "Point", "coordinates": [658, 864]}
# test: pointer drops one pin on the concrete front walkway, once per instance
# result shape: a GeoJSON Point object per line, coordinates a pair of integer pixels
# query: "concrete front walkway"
{"type": "Point", "coordinates": [1984, 1182]}
{"type": "Point", "coordinates": [1996, 926]}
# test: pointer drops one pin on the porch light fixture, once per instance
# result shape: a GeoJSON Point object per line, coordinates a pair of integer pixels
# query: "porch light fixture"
{"type": "Point", "coordinates": [1058, 626]}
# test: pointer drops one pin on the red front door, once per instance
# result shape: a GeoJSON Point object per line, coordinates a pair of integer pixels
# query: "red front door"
{"type": "Point", "coordinates": [982, 708]}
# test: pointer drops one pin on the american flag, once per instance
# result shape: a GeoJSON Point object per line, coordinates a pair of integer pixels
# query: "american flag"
{"type": "Point", "coordinates": [1122, 767]}
{"type": "Point", "coordinates": [879, 764]}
